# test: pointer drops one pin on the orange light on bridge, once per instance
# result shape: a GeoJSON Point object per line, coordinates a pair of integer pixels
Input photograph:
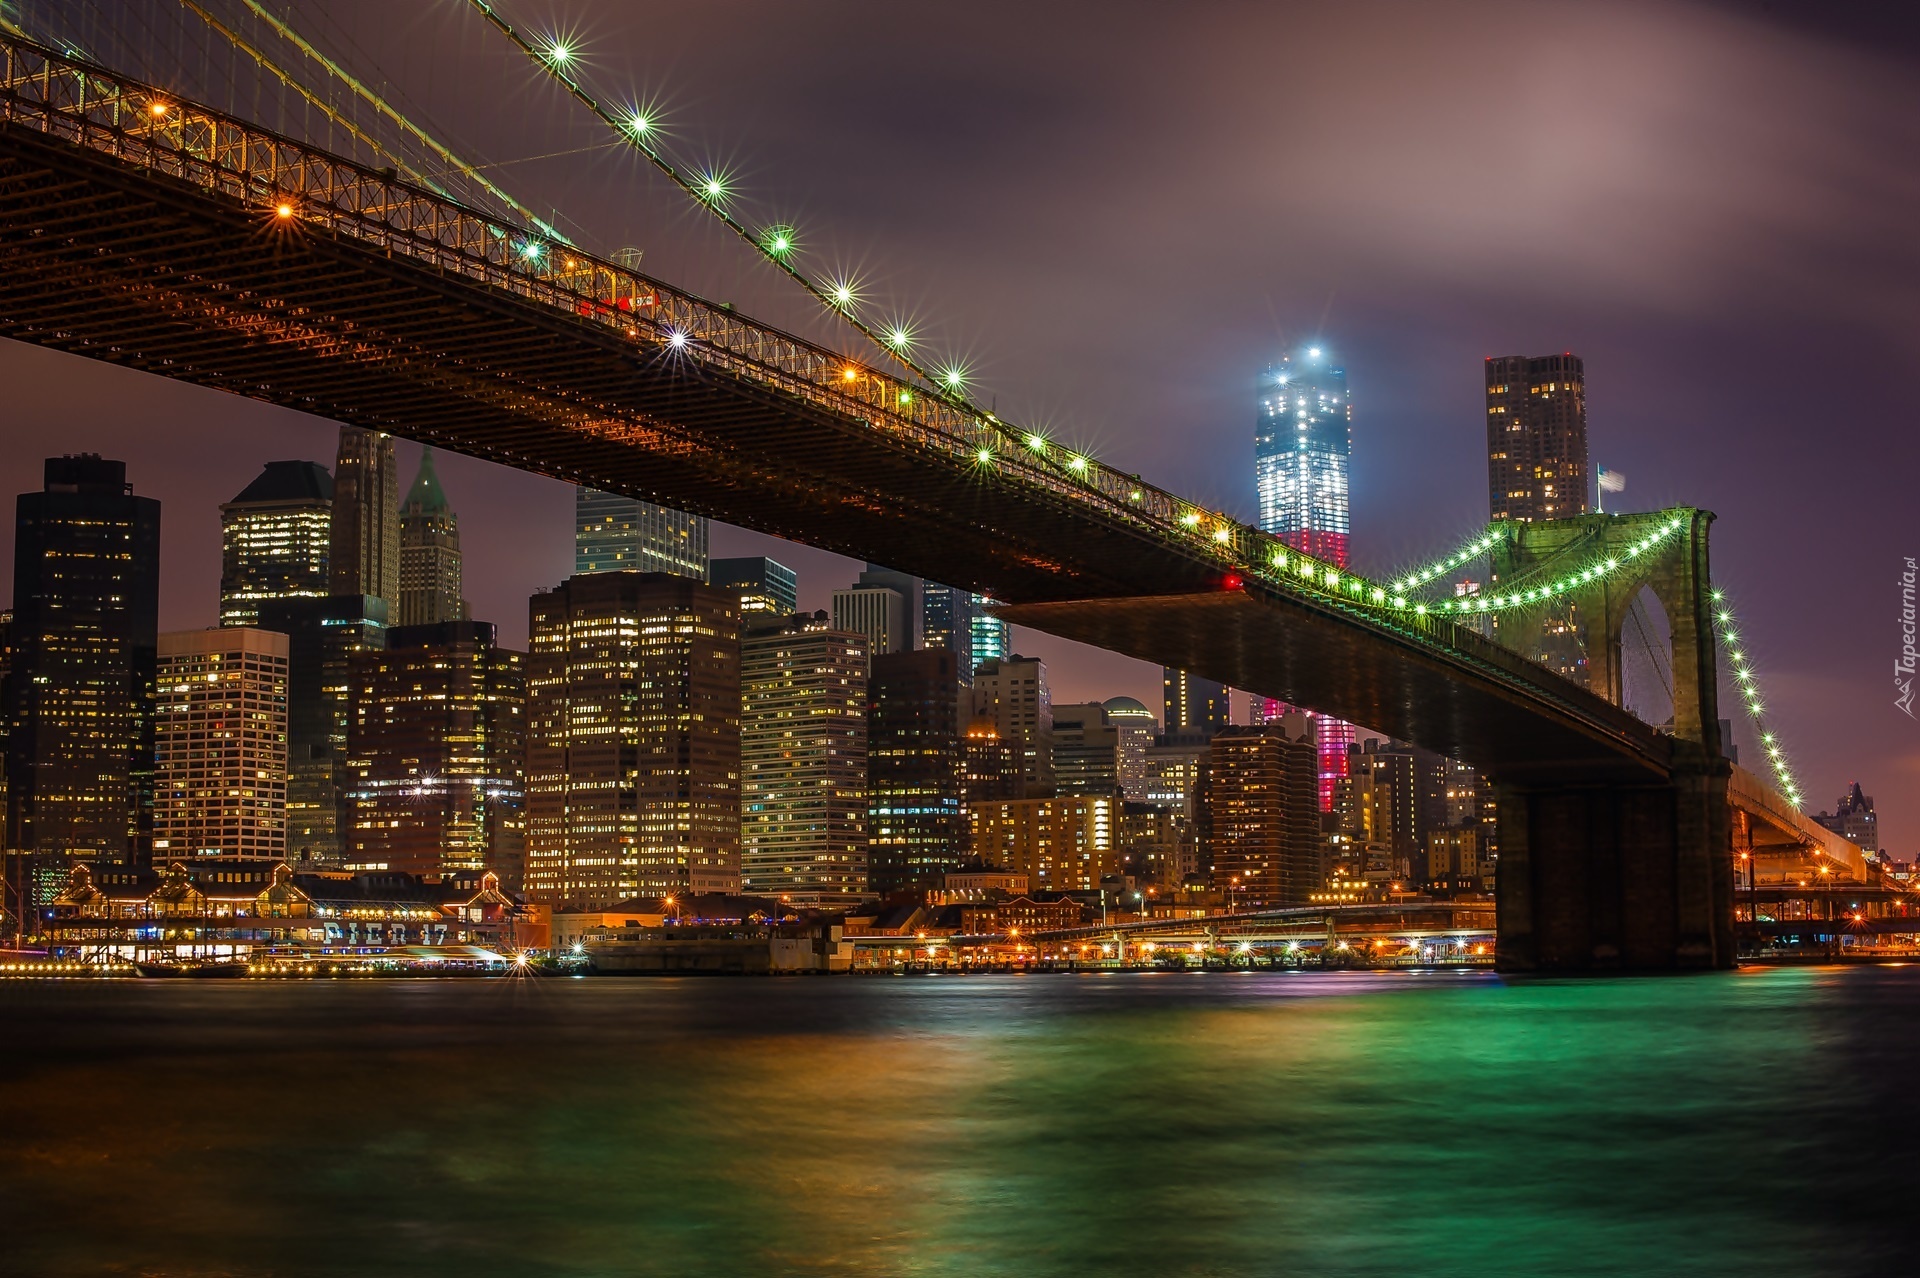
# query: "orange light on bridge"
{"type": "Point", "coordinates": [283, 212]}
{"type": "Point", "coordinates": [157, 110]}
{"type": "Point", "coordinates": [850, 374]}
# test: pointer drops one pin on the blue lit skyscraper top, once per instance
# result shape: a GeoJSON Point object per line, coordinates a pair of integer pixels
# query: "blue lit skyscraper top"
{"type": "Point", "coordinates": [1302, 439]}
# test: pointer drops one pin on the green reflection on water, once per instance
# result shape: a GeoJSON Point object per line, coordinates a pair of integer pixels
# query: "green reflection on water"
{"type": "Point", "coordinates": [1196, 1124]}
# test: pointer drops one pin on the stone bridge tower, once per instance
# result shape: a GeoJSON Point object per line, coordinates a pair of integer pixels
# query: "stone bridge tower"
{"type": "Point", "coordinates": [1599, 873]}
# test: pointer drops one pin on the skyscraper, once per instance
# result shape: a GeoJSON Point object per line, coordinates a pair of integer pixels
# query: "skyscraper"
{"type": "Point", "coordinates": [1191, 704]}
{"type": "Point", "coordinates": [1264, 818]}
{"type": "Point", "coordinates": [79, 693]}
{"type": "Point", "coordinates": [765, 585]}
{"type": "Point", "coordinates": [916, 770]}
{"type": "Point", "coordinates": [612, 533]}
{"type": "Point", "coordinates": [1086, 750]}
{"type": "Point", "coordinates": [274, 539]}
{"type": "Point", "coordinates": [1137, 728]}
{"type": "Point", "coordinates": [1537, 436]}
{"type": "Point", "coordinates": [429, 553]}
{"type": "Point", "coordinates": [1012, 695]}
{"type": "Point", "coordinates": [992, 637]}
{"type": "Point", "coordinates": [948, 617]}
{"type": "Point", "coordinates": [364, 555]}
{"type": "Point", "coordinates": [878, 612]}
{"type": "Point", "coordinates": [1853, 818]}
{"type": "Point", "coordinates": [1302, 439]}
{"type": "Point", "coordinates": [437, 749]}
{"type": "Point", "coordinates": [633, 739]}
{"type": "Point", "coordinates": [803, 762]}
{"type": "Point", "coordinates": [220, 744]}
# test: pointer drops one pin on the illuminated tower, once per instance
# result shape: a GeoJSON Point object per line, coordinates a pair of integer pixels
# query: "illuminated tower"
{"type": "Point", "coordinates": [1301, 444]}
{"type": "Point", "coordinates": [612, 533]}
{"type": "Point", "coordinates": [429, 553]}
{"type": "Point", "coordinates": [274, 540]}
{"type": "Point", "coordinates": [1537, 436]}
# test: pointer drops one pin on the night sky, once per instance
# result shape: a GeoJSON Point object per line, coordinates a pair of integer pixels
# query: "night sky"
{"type": "Point", "coordinates": [1120, 213]}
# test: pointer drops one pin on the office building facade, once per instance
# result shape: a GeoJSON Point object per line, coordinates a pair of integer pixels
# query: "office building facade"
{"type": "Point", "coordinates": [803, 762]}
{"type": "Point", "coordinates": [612, 533]}
{"type": "Point", "coordinates": [322, 637]}
{"type": "Point", "coordinates": [1011, 693]}
{"type": "Point", "coordinates": [916, 771]}
{"type": "Point", "coordinates": [1264, 817]}
{"type": "Point", "coordinates": [1537, 464]}
{"type": "Point", "coordinates": [765, 586]}
{"type": "Point", "coordinates": [436, 750]}
{"type": "Point", "coordinates": [1192, 704]}
{"type": "Point", "coordinates": [878, 613]}
{"type": "Point", "coordinates": [947, 618]}
{"type": "Point", "coordinates": [79, 696]}
{"type": "Point", "coordinates": [1062, 844]}
{"type": "Point", "coordinates": [220, 744]}
{"type": "Point", "coordinates": [275, 540]}
{"type": "Point", "coordinates": [633, 739]}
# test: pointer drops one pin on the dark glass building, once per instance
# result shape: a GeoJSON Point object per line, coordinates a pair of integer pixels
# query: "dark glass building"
{"type": "Point", "coordinates": [80, 689]}
{"type": "Point", "coordinates": [765, 585]}
{"type": "Point", "coordinates": [916, 770]}
{"type": "Point", "coordinates": [1191, 704]}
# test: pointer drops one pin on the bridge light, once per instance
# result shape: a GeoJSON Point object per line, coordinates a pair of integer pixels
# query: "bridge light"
{"type": "Point", "coordinates": [984, 456]}
{"type": "Point", "coordinates": [906, 397]}
{"type": "Point", "coordinates": [1222, 535]}
{"type": "Point", "coordinates": [1077, 463]}
{"type": "Point", "coordinates": [953, 377]}
{"type": "Point", "coordinates": [777, 240]}
{"type": "Point", "coordinates": [1134, 495]}
{"type": "Point", "coordinates": [1420, 610]}
{"type": "Point", "coordinates": [677, 339]}
{"type": "Point", "coordinates": [713, 188]}
{"type": "Point", "coordinates": [1717, 595]}
{"type": "Point", "coordinates": [1379, 595]}
{"type": "Point", "coordinates": [1191, 518]}
{"type": "Point", "coordinates": [1331, 578]}
{"type": "Point", "coordinates": [157, 110]}
{"type": "Point", "coordinates": [283, 211]}
{"type": "Point", "coordinates": [559, 53]}
{"type": "Point", "coordinates": [1305, 568]}
{"type": "Point", "coordinates": [531, 251]}
{"type": "Point", "coordinates": [1036, 443]}
{"type": "Point", "coordinates": [899, 337]}
{"type": "Point", "coordinates": [1232, 581]}
{"type": "Point", "coordinates": [639, 124]}
{"type": "Point", "coordinates": [1280, 560]}
{"type": "Point", "coordinates": [849, 374]}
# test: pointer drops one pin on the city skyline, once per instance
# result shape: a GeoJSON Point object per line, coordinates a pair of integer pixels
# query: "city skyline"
{"type": "Point", "coordinates": [1411, 333]}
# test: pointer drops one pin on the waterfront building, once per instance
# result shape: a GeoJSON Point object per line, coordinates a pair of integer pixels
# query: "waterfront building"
{"type": "Point", "coordinates": [1086, 750]}
{"type": "Point", "coordinates": [1176, 776]}
{"type": "Point", "coordinates": [1011, 692]}
{"type": "Point", "coordinates": [274, 540]}
{"type": "Point", "coordinates": [1136, 729]}
{"type": "Point", "coordinates": [79, 690]}
{"type": "Point", "coordinates": [803, 762]}
{"type": "Point", "coordinates": [429, 553]}
{"type": "Point", "coordinates": [1192, 704]}
{"type": "Point", "coordinates": [1062, 844]}
{"type": "Point", "coordinates": [764, 585]}
{"type": "Point", "coordinates": [322, 637]}
{"type": "Point", "coordinates": [633, 739]}
{"type": "Point", "coordinates": [363, 556]}
{"type": "Point", "coordinates": [612, 533]}
{"type": "Point", "coordinates": [1537, 436]}
{"type": "Point", "coordinates": [917, 770]}
{"type": "Point", "coordinates": [1156, 845]}
{"type": "Point", "coordinates": [1264, 817]}
{"type": "Point", "coordinates": [947, 619]}
{"type": "Point", "coordinates": [220, 744]}
{"type": "Point", "coordinates": [436, 750]}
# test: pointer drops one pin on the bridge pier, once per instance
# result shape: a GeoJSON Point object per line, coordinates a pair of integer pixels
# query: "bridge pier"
{"type": "Point", "coordinates": [1620, 877]}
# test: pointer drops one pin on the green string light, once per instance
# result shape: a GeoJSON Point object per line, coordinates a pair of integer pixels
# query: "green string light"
{"type": "Point", "coordinates": [1465, 555]}
{"type": "Point", "coordinates": [1748, 687]}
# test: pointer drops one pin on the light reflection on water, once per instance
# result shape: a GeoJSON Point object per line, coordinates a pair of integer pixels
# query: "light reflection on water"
{"type": "Point", "coordinates": [1166, 1124]}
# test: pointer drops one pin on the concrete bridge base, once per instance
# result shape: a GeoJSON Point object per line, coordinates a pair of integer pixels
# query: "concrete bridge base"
{"type": "Point", "coordinates": [1618, 877]}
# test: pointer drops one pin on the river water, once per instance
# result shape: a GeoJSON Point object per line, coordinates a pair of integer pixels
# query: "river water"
{"type": "Point", "coordinates": [1137, 1123]}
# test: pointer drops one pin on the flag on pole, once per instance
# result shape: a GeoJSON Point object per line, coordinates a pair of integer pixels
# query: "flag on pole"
{"type": "Point", "coordinates": [1611, 481]}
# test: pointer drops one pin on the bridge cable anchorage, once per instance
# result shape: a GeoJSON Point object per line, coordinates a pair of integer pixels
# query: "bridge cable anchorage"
{"type": "Point", "coordinates": [1729, 638]}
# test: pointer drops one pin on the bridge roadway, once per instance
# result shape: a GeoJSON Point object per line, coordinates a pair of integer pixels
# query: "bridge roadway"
{"type": "Point", "coordinates": [147, 232]}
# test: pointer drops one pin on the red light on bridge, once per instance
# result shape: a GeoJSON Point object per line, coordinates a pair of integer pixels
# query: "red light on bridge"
{"type": "Point", "coordinates": [1232, 581]}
